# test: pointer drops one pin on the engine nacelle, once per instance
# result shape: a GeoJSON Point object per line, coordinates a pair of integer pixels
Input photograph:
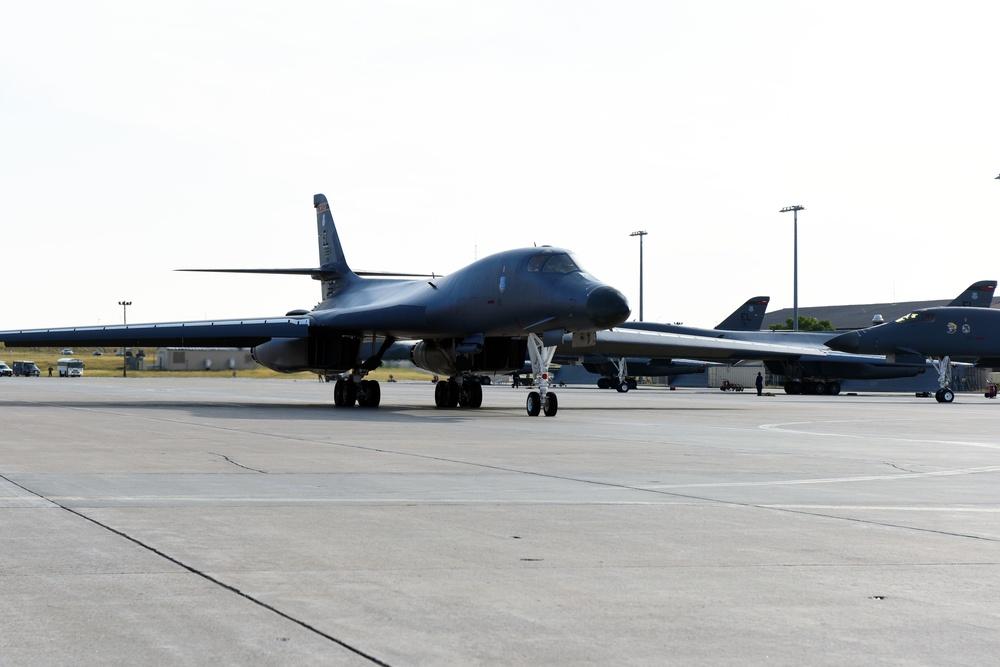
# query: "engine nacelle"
{"type": "Point", "coordinates": [319, 354]}
{"type": "Point", "coordinates": [497, 355]}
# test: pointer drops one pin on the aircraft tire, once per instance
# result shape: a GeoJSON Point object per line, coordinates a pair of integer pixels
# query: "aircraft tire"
{"type": "Point", "coordinates": [533, 404]}
{"type": "Point", "coordinates": [632, 383]}
{"type": "Point", "coordinates": [370, 395]}
{"type": "Point", "coordinates": [441, 394]}
{"type": "Point", "coordinates": [454, 393]}
{"type": "Point", "coordinates": [622, 387]}
{"type": "Point", "coordinates": [793, 387]}
{"type": "Point", "coordinates": [603, 383]}
{"type": "Point", "coordinates": [472, 394]}
{"type": "Point", "coordinates": [338, 393]}
{"type": "Point", "coordinates": [345, 392]}
{"type": "Point", "coordinates": [818, 388]}
{"type": "Point", "coordinates": [944, 395]}
{"type": "Point", "coordinates": [833, 388]}
{"type": "Point", "coordinates": [350, 393]}
{"type": "Point", "coordinates": [551, 405]}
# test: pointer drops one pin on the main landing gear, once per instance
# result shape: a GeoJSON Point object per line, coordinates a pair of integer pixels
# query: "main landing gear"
{"type": "Point", "coordinates": [816, 387]}
{"type": "Point", "coordinates": [623, 382]}
{"type": "Point", "coordinates": [460, 391]}
{"type": "Point", "coordinates": [353, 389]}
{"type": "Point", "coordinates": [541, 401]}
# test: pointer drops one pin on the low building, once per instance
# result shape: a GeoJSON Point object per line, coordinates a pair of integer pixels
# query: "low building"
{"type": "Point", "coordinates": [204, 359]}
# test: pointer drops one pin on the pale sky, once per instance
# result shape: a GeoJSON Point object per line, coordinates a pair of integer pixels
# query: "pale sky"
{"type": "Point", "coordinates": [139, 137]}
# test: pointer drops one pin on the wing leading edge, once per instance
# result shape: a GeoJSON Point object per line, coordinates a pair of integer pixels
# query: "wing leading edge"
{"type": "Point", "coordinates": [621, 342]}
{"type": "Point", "coordinates": [223, 333]}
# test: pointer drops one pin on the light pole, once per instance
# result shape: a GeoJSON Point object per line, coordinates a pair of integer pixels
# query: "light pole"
{"type": "Point", "coordinates": [795, 264]}
{"type": "Point", "coordinates": [640, 235]}
{"type": "Point", "coordinates": [124, 305]}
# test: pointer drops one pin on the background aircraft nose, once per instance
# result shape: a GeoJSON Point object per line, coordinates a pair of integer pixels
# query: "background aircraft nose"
{"type": "Point", "coordinates": [845, 342]}
{"type": "Point", "coordinates": [607, 307]}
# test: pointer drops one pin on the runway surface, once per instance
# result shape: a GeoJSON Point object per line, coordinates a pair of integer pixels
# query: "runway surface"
{"type": "Point", "coordinates": [232, 521]}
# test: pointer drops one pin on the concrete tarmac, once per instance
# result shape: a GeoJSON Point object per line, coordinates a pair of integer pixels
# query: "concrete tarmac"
{"type": "Point", "coordinates": [250, 522]}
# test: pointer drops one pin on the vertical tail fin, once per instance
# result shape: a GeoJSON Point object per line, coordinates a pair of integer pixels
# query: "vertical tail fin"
{"type": "Point", "coordinates": [977, 294]}
{"type": "Point", "coordinates": [331, 253]}
{"type": "Point", "coordinates": [747, 317]}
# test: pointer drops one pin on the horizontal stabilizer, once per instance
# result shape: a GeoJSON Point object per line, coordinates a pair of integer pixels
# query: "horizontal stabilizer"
{"type": "Point", "coordinates": [319, 273]}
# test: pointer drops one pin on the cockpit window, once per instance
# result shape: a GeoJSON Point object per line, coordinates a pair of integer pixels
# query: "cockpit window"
{"type": "Point", "coordinates": [921, 317]}
{"type": "Point", "coordinates": [552, 262]}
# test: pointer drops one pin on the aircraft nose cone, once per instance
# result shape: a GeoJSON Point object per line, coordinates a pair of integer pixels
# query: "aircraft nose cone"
{"type": "Point", "coordinates": [846, 342]}
{"type": "Point", "coordinates": [607, 307]}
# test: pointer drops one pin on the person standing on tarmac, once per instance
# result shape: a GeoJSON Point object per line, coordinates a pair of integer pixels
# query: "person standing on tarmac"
{"type": "Point", "coordinates": [760, 383]}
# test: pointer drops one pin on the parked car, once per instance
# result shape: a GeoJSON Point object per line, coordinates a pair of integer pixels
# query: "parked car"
{"type": "Point", "coordinates": [6, 370]}
{"type": "Point", "coordinates": [66, 350]}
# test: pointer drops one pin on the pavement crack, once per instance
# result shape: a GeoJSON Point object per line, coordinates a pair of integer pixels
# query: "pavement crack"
{"type": "Point", "coordinates": [238, 465]}
{"type": "Point", "coordinates": [893, 465]}
{"type": "Point", "coordinates": [203, 575]}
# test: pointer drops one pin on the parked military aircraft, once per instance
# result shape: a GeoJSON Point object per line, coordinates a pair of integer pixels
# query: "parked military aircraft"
{"type": "Point", "coordinates": [801, 356]}
{"type": "Point", "coordinates": [944, 334]}
{"type": "Point", "coordinates": [823, 374]}
{"type": "Point", "coordinates": [620, 372]}
{"type": "Point", "coordinates": [483, 317]}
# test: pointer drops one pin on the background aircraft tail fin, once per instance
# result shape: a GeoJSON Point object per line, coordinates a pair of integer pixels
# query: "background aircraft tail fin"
{"type": "Point", "coordinates": [748, 317]}
{"type": "Point", "coordinates": [977, 294]}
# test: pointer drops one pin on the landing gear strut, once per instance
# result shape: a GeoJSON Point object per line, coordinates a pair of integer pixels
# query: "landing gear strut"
{"type": "Point", "coordinates": [541, 400]}
{"type": "Point", "coordinates": [623, 382]}
{"type": "Point", "coordinates": [943, 367]}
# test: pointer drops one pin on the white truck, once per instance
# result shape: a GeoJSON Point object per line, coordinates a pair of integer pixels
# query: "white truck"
{"type": "Point", "coordinates": [69, 367]}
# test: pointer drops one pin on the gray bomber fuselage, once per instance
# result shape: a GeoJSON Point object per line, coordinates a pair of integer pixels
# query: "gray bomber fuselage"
{"type": "Point", "coordinates": [506, 294]}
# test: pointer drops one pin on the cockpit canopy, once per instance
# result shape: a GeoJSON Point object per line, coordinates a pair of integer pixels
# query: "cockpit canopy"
{"type": "Point", "coordinates": [553, 261]}
{"type": "Point", "coordinates": [918, 316]}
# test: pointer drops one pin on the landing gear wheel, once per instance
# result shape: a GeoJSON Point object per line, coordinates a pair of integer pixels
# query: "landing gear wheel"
{"type": "Point", "coordinates": [345, 393]}
{"type": "Point", "coordinates": [454, 393]}
{"type": "Point", "coordinates": [534, 404]}
{"type": "Point", "coordinates": [338, 393]}
{"type": "Point", "coordinates": [441, 394]}
{"type": "Point", "coordinates": [833, 388]}
{"type": "Point", "coordinates": [603, 383]}
{"type": "Point", "coordinates": [818, 388]}
{"type": "Point", "coordinates": [793, 387]}
{"type": "Point", "coordinates": [623, 387]}
{"type": "Point", "coordinates": [472, 394]}
{"type": "Point", "coordinates": [944, 395]}
{"type": "Point", "coordinates": [370, 394]}
{"type": "Point", "coordinates": [632, 383]}
{"type": "Point", "coordinates": [551, 405]}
